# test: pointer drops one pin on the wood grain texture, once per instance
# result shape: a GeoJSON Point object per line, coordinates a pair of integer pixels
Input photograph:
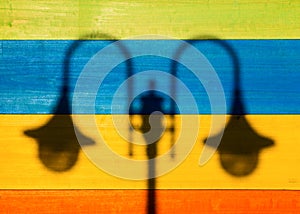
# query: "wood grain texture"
{"type": "Point", "coordinates": [32, 75]}
{"type": "Point", "coordinates": [70, 19]}
{"type": "Point", "coordinates": [133, 201]}
{"type": "Point", "coordinates": [277, 168]}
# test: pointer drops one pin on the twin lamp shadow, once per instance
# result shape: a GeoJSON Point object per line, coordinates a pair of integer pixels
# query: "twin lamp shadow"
{"type": "Point", "coordinates": [59, 149]}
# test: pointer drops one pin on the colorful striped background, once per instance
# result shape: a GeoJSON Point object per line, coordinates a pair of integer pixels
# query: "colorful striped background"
{"type": "Point", "coordinates": [34, 38]}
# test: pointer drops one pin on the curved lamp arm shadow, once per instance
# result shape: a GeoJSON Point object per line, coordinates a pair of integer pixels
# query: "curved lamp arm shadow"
{"type": "Point", "coordinates": [58, 146]}
{"type": "Point", "coordinates": [240, 144]}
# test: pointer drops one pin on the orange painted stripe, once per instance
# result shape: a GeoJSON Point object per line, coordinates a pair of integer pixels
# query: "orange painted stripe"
{"type": "Point", "coordinates": [134, 201]}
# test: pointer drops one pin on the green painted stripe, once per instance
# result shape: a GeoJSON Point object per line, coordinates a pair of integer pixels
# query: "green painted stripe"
{"type": "Point", "coordinates": [68, 19]}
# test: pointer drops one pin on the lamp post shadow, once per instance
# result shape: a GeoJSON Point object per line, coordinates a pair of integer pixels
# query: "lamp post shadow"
{"type": "Point", "coordinates": [152, 129]}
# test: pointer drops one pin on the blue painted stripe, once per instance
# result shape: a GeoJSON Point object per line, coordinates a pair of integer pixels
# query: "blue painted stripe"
{"type": "Point", "coordinates": [32, 73]}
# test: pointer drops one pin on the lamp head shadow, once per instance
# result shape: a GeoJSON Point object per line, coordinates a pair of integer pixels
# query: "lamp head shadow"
{"type": "Point", "coordinates": [57, 141]}
{"type": "Point", "coordinates": [240, 146]}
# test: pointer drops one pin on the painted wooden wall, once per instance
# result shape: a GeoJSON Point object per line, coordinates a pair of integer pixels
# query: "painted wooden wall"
{"type": "Point", "coordinates": [35, 37]}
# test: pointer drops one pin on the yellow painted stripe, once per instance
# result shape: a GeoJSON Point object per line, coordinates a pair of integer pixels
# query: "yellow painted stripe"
{"type": "Point", "coordinates": [278, 165]}
{"type": "Point", "coordinates": [68, 19]}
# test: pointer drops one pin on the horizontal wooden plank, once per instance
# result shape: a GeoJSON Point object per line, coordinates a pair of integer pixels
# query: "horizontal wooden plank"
{"type": "Point", "coordinates": [69, 19]}
{"type": "Point", "coordinates": [134, 201]}
{"type": "Point", "coordinates": [32, 74]}
{"type": "Point", "coordinates": [23, 164]}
